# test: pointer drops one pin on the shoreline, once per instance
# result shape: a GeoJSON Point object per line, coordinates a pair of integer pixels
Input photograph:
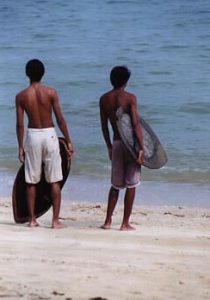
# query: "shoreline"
{"type": "Point", "coordinates": [164, 258]}
{"type": "Point", "coordinates": [153, 193]}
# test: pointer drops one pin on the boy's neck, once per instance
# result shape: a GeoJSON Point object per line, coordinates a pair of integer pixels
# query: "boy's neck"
{"type": "Point", "coordinates": [121, 88]}
{"type": "Point", "coordinates": [32, 82]}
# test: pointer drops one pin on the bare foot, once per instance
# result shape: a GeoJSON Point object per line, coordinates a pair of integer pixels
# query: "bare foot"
{"type": "Point", "coordinates": [57, 225]}
{"type": "Point", "coordinates": [33, 224]}
{"type": "Point", "coordinates": [105, 226]}
{"type": "Point", "coordinates": [127, 227]}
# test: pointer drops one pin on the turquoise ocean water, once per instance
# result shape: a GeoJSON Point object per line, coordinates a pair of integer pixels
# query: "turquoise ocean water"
{"type": "Point", "coordinates": [166, 44]}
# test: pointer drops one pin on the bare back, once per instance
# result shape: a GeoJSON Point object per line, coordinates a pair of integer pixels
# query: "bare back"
{"type": "Point", "coordinates": [37, 101]}
{"type": "Point", "coordinates": [110, 102]}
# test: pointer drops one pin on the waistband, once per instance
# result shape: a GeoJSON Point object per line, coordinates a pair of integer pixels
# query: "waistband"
{"type": "Point", "coordinates": [49, 129]}
{"type": "Point", "coordinates": [117, 142]}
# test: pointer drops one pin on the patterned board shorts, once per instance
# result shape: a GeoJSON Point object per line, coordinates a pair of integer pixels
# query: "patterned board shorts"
{"type": "Point", "coordinates": [125, 171]}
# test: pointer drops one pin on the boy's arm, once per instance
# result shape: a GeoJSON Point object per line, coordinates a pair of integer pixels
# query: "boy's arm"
{"type": "Point", "coordinates": [19, 128]}
{"type": "Point", "coordinates": [61, 121]}
{"type": "Point", "coordinates": [105, 129]}
{"type": "Point", "coordinates": [137, 129]}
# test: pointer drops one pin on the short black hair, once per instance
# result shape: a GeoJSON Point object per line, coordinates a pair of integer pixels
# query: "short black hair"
{"type": "Point", "coordinates": [119, 76]}
{"type": "Point", "coordinates": [35, 69]}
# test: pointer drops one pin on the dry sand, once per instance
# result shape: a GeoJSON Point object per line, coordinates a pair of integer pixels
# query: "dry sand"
{"type": "Point", "coordinates": [167, 257]}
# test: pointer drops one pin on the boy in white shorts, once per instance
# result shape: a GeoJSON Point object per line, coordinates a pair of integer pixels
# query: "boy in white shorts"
{"type": "Point", "coordinates": [125, 170]}
{"type": "Point", "coordinates": [41, 144]}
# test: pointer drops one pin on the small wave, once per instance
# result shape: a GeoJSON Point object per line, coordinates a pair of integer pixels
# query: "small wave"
{"type": "Point", "coordinates": [203, 12]}
{"type": "Point", "coordinates": [159, 83]}
{"type": "Point", "coordinates": [159, 72]}
{"type": "Point", "coordinates": [117, 2]}
{"type": "Point", "coordinates": [6, 107]}
{"type": "Point", "coordinates": [200, 108]}
{"type": "Point", "coordinates": [174, 47]}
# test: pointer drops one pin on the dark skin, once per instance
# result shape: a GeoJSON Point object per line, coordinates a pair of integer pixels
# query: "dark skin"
{"type": "Point", "coordinates": [109, 103]}
{"type": "Point", "coordinates": [39, 102]}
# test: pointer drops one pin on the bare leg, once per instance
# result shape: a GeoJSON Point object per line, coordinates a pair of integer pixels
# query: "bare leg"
{"type": "Point", "coordinates": [128, 205]}
{"type": "Point", "coordinates": [56, 198]}
{"type": "Point", "coordinates": [31, 197]}
{"type": "Point", "coordinates": [112, 201]}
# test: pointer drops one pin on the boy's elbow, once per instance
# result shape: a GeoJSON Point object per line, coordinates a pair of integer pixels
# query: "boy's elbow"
{"type": "Point", "coordinates": [61, 122]}
{"type": "Point", "coordinates": [19, 126]}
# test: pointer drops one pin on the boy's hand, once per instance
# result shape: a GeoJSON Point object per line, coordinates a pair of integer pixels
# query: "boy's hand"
{"type": "Point", "coordinates": [140, 158]}
{"type": "Point", "coordinates": [110, 153]}
{"type": "Point", "coordinates": [70, 149]}
{"type": "Point", "coordinates": [21, 155]}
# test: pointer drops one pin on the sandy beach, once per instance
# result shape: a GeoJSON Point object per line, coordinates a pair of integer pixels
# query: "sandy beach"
{"type": "Point", "coordinates": [166, 257]}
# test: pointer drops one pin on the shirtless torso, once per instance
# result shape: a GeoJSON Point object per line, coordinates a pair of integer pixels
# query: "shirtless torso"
{"type": "Point", "coordinates": [38, 102]}
{"type": "Point", "coordinates": [109, 103]}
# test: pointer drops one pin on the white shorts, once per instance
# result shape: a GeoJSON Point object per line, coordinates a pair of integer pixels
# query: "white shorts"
{"type": "Point", "coordinates": [42, 147]}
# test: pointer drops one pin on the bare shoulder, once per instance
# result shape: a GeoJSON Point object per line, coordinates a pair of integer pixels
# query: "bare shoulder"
{"type": "Point", "coordinates": [49, 90]}
{"type": "Point", "coordinates": [103, 98]}
{"type": "Point", "coordinates": [21, 95]}
{"type": "Point", "coordinates": [131, 99]}
{"type": "Point", "coordinates": [131, 96]}
{"type": "Point", "coordinates": [105, 95]}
